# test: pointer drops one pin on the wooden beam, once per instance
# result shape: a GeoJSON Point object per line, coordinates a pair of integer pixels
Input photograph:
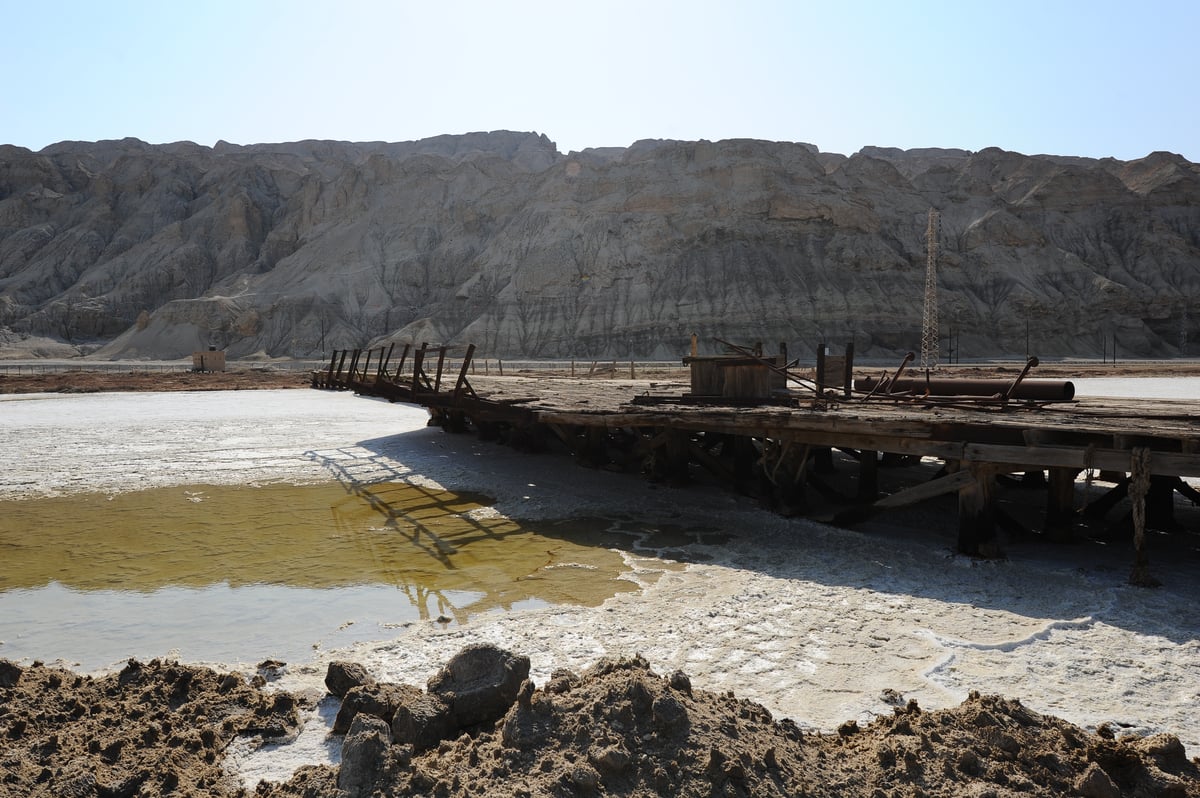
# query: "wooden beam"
{"type": "Point", "coordinates": [1167, 463]}
{"type": "Point", "coordinates": [927, 490]}
{"type": "Point", "coordinates": [713, 464]}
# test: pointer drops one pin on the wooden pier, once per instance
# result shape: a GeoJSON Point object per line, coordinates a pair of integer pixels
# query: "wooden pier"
{"type": "Point", "coordinates": [782, 447]}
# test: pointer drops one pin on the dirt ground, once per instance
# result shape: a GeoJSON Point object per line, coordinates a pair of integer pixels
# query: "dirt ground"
{"type": "Point", "coordinates": [95, 381]}
{"type": "Point", "coordinates": [84, 381]}
{"type": "Point", "coordinates": [159, 729]}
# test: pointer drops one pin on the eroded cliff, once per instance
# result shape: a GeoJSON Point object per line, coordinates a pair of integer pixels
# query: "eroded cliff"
{"type": "Point", "coordinates": [499, 239]}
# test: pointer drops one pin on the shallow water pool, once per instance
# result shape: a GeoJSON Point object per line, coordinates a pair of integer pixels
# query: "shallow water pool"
{"type": "Point", "coordinates": [240, 574]}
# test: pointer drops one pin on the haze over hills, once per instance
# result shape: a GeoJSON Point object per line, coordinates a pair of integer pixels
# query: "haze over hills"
{"type": "Point", "coordinates": [135, 250]}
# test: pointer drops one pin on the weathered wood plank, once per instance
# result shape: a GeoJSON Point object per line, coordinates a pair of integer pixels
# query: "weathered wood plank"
{"type": "Point", "coordinates": [926, 490]}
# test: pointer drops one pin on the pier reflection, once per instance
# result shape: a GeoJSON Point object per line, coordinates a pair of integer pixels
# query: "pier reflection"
{"type": "Point", "coordinates": [435, 546]}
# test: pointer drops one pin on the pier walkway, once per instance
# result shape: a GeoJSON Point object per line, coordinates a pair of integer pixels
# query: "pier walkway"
{"type": "Point", "coordinates": [781, 446]}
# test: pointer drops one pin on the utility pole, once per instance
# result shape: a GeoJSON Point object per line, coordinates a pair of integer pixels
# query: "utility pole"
{"type": "Point", "coordinates": [929, 320]}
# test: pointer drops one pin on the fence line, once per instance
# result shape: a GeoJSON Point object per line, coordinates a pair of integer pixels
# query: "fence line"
{"type": "Point", "coordinates": [491, 365]}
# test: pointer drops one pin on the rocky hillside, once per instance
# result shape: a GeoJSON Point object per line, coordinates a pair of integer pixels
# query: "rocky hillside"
{"type": "Point", "coordinates": [138, 250]}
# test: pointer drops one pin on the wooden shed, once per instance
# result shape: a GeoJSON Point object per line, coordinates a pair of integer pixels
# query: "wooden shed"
{"type": "Point", "coordinates": [212, 360]}
{"type": "Point", "coordinates": [736, 376]}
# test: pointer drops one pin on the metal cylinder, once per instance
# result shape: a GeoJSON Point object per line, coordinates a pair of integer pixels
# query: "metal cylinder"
{"type": "Point", "coordinates": [1039, 390]}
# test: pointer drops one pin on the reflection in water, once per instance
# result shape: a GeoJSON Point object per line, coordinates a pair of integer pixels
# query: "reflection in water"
{"type": "Point", "coordinates": [204, 569]}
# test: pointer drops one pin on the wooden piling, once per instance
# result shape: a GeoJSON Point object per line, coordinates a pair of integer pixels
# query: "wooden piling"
{"type": "Point", "coordinates": [868, 475]}
{"type": "Point", "coordinates": [976, 512]}
{"type": "Point", "coordinates": [1060, 505]}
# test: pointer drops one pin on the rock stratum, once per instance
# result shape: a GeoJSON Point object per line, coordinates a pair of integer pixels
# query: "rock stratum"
{"type": "Point", "coordinates": [124, 249]}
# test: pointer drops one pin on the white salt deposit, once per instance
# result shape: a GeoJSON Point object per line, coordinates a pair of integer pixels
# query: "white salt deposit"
{"type": "Point", "coordinates": [813, 622]}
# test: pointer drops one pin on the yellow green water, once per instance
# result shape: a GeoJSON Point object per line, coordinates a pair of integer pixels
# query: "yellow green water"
{"type": "Point", "coordinates": [216, 568]}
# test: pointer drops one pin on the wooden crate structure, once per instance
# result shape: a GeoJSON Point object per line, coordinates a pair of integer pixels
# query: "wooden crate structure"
{"type": "Point", "coordinates": [736, 376]}
{"type": "Point", "coordinates": [835, 371]}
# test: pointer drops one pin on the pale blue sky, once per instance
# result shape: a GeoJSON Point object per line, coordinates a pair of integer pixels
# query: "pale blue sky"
{"type": "Point", "coordinates": [1074, 77]}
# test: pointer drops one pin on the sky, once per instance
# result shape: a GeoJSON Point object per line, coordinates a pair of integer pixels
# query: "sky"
{"type": "Point", "coordinates": [1095, 78]}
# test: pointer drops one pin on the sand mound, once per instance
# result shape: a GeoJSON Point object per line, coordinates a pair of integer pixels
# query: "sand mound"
{"type": "Point", "coordinates": [152, 729]}
{"type": "Point", "coordinates": [619, 728]}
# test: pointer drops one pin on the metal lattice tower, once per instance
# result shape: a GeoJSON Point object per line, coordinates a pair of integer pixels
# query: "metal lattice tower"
{"type": "Point", "coordinates": [929, 320]}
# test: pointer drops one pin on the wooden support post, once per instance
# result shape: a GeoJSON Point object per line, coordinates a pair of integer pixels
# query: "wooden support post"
{"type": "Point", "coordinates": [1160, 502]}
{"type": "Point", "coordinates": [789, 477]}
{"type": "Point", "coordinates": [383, 364]}
{"type": "Point", "coordinates": [594, 453]}
{"type": "Point", "coordinates": [400, 365]}
{"type": "Point", "coordinates": [367, 366]}
{"type": "Point", "coordinates": [678, 456]}
{"type": "Point", "coordinates": [418, 363]}
{"type": "Point", "coordinates": [744, 456]}
{"type": "Point", "coordinates": [437, 381]}
{"type": "Point", "coordinates": [1139, 487]}
{"type": "Point", "coordinates": [976, 513]}
{"type": "Point", "coordinates": [329, 376]}
{"type": "Point", "coordinates": [462, 383]}
{"type": "Point", "coordinates": [868, 475]}
{"type": "Point", "coordinates": [1060, 505]}
{"type": "Point", "coordinates": [341, 363]}
{"type": "Point", "coordinates": [353, 375]}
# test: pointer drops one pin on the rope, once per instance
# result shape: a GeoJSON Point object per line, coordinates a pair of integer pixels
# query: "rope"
{"type": "Point", "coordinates": [1139, 473]}
{"type": "Point", "coordinates": [1139, 487]}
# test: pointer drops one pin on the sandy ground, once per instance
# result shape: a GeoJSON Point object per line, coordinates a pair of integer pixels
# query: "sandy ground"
{"type": "Point", "coordinates": [818, 625]}
{"type": "Point", "coordinates": [619, 728]}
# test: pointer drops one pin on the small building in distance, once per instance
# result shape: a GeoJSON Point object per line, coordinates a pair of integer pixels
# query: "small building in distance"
{"type": "Point", "coordinates": [212, 360]}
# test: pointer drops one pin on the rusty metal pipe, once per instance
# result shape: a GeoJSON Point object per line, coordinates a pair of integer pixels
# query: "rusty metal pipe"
{"type": "Point", "coordinates": [891, 386]}
{"type": "Point", "coordinates": [1037, 390]}
{"type": "Point", "coordinates": [1012, 389]}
